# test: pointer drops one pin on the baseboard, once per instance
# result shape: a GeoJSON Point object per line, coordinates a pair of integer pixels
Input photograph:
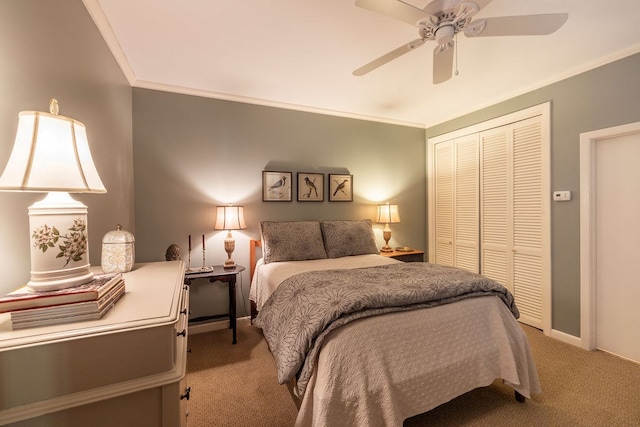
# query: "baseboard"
{"type": "Point", "coordinates": [564, 337]}
{"type": "Point", "coordinates": [201, 328]}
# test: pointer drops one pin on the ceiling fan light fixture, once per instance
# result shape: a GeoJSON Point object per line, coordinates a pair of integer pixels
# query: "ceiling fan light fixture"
{"type": "Point", "coordinates": [445, 34]}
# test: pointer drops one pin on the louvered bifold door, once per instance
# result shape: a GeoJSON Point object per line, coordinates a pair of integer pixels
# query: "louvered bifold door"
{"type": "Point", "coordinates": [444, 184]}
{"type": "Point", "coordinates": [527, 219]}
{"type": "Point", "coordinates": [489, 201]}
{"type": "Point", "coordinates": [466, 224]}
{"type": "Point", "coordinates": [495, 206]}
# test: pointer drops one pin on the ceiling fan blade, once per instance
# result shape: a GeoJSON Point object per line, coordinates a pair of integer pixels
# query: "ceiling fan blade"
{"type": "Point", "coordinates": [395, 9]}
{"type": "Point", "coordinates": [481, 3]}
{"type": "Point", "coordinates": [442, 62]}
{"type": "Point", "coordinates": [436, 6]}
{"type": "Point", "coordinates": [526, 25]}
{"type": "Point", "coordinates": [405, 48]}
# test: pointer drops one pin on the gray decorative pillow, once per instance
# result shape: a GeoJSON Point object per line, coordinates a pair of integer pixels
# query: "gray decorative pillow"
{"type": "Point", "coordinates": [291, 241]}
{"type": "Point", "coordinates": [346, 238]}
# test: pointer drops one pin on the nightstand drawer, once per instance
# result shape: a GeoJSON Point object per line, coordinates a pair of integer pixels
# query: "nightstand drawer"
{"type": "Point", "coordinates": [405, 256]}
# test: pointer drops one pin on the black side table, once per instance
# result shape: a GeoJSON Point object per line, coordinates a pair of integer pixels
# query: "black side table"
{"type": "Point", "coordinates": [219, 274]}
{"type": "Point", "coordinates": [413, 255]}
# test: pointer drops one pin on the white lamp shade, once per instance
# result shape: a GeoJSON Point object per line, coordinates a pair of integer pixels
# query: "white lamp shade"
{"type": "Point", "coordinates": [50, 153]}
{"type": "Point", "coordinates": [388, 214]}
{"type": "Point", "coordinates": [230, 218]}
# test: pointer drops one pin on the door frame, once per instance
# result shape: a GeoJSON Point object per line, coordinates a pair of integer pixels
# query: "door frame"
{"type": "Point", "coordinates": [588, 141]}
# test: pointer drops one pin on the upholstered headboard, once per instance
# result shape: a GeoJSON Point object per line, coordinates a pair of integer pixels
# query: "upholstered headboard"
{"type": "Point", "coordinates": [253, 255]}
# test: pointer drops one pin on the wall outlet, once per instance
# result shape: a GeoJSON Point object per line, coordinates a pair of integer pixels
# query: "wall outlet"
{"type": "Point", "coordinates": [562, 196]}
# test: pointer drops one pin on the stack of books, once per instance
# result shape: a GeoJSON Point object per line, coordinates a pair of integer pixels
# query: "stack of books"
{"type": "Point", "coordinates": [89, 301]}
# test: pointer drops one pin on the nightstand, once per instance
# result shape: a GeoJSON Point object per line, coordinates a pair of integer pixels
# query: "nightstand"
{"type": "Point", "coordinates": [406, 256]}
{"type": "Point", "coordinates": [219, 274]}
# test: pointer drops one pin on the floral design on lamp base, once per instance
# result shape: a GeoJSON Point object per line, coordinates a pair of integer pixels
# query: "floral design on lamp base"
{"type": "Point", "coordinates": [73, 245]}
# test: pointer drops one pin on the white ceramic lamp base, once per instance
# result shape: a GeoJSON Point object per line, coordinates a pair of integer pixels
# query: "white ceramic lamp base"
{"type": "Point", "coordinates": [59, 243]}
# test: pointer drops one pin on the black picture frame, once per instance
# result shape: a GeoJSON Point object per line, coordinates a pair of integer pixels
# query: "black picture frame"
{"type": "Point", "coordinates": [276, 186]}
{"type": "Point", "coordinates": [310, 187]}
{"type": "Point", "coordinates": [340, 188]}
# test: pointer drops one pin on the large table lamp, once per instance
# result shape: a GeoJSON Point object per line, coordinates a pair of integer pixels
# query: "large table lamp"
{"type": "Point", "coordinates": [51, 154]}
{"type": "Point", "coordinates": [229, 218]}
{"type": "Point", "coordinates": [387, 214]}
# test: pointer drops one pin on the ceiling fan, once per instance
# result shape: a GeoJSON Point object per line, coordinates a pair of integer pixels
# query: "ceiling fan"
{"type": "Point", "coordinates": [441, 20]}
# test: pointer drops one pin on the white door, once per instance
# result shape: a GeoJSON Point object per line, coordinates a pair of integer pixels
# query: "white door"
{"type": "Point", "coordinates": [617, 252]}
{"type": "Point", "coordinates": [496, 209]}
{"type": "Point", "coordinates": [467, 203]}
{"type": "Point", "coordinates": [513, 214]}
{"type": "Point", "coordinates": [456, 199]}
{"type": "Point", "coordinates": [443, 199]}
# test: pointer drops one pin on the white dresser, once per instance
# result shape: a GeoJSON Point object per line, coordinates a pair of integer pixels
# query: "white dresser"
{"type": "Point", "coordinates": [126, 369]}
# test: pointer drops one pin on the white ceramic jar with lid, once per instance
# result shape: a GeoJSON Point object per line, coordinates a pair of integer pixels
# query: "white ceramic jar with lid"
{"type": "Point", "coordinates": [118, 251]}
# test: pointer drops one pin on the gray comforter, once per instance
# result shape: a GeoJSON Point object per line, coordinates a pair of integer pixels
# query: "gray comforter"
{"type": "Point", "coordinates": [306, 307]}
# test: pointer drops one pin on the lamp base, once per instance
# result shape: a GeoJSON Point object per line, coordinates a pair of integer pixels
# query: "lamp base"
{"type": "Point", "coordinates": [386, 235]}
{"type": "Point", "coordinates": [229, 247]}
{"type": "Point", "coordinates": [59, 243]}
{"type": "Point", "coordinates": [61, 279]}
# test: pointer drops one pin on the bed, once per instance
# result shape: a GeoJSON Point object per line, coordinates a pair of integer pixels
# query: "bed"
{"type": "Point", "coordinates": [367, 340]}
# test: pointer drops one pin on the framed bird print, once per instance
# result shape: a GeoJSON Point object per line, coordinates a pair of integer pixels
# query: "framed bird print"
{"type": "Point", "coordinates": [340, 188]}
{"type": "Point", "coordinates": [310, 187]}
{"type": "Point", "coordinates": [276, 186]}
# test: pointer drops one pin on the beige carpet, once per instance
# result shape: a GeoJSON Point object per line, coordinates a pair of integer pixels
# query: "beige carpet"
{"type": "Point", "coordinates": [236, 385]}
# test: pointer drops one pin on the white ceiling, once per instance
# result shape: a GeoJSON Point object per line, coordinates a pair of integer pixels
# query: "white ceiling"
{"type": "Point", "coordinates": [300, 53]}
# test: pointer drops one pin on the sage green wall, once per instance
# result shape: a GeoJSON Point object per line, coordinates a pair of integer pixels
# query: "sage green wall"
{"type": "Point", "coordinates": [597, 99]}
{"type": "Point", "coordinates": [53, 49]}
{"type": "Point", "coordinates": [193, 153]}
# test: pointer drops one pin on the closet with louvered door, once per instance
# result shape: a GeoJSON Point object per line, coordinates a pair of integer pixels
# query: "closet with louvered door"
{"type": "Point", "coordinates": [489, 205]}
{"type": "Point", "coordinates": [457, 202]}
{"type": "Point", "coordinates": [511, 216]}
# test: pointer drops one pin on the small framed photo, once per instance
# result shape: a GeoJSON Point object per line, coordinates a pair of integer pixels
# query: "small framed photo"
{"type": "Point", "coordinates": [276, 186]}
{"type": "Point", "coordinates": [310, 187]}
{"type": "Point", "coordinates": [340, 188]}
